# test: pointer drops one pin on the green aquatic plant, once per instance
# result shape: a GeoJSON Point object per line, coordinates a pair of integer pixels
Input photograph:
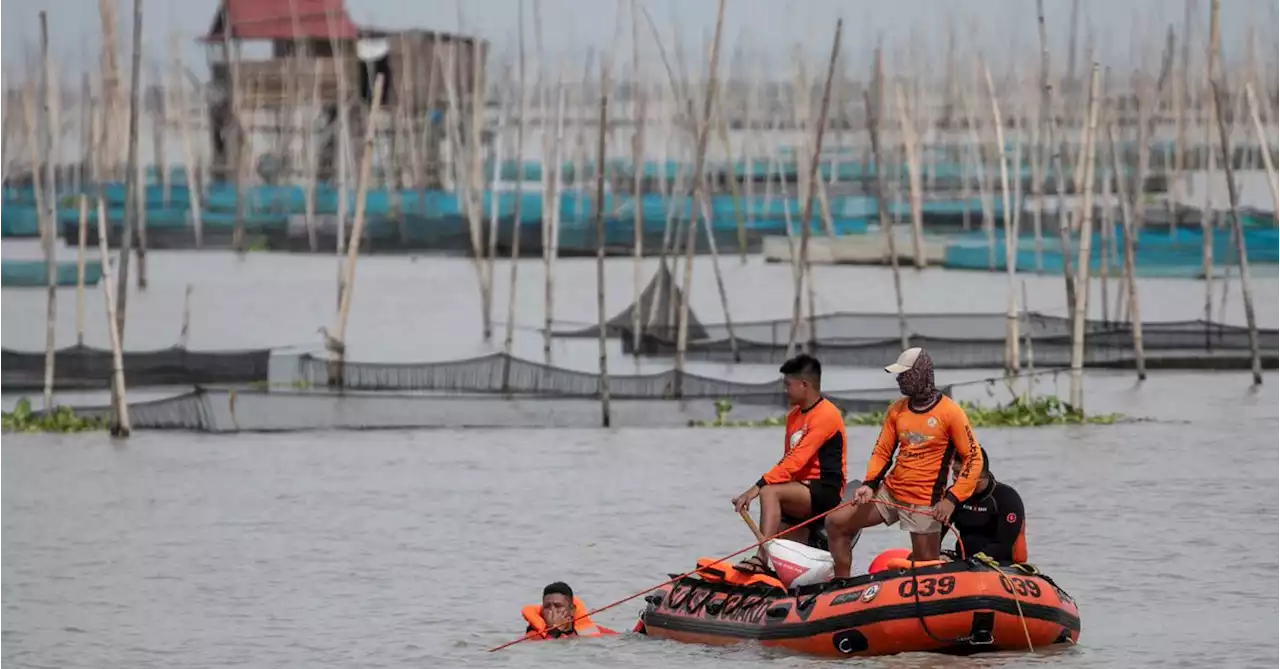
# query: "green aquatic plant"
{"type": "Point", "coordinates": [61, 419]}
{"type": "Point", "coordinates": [1020, 412]}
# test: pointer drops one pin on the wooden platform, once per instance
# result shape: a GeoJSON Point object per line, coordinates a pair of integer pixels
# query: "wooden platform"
{"type": "Point", "coordinates": [868, 249]}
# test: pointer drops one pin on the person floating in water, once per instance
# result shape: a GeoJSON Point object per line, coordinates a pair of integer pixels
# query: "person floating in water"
{"type": "Point", "coordinates": [555, 617]}
{"type": "Point", "coordinates": [992, 520]}
{"type": "Point", "coordinates": [907, 473]}
{"type": "Point", "coordinates": [809, 480]}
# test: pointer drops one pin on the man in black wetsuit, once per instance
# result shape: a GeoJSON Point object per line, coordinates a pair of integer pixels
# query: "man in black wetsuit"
{"type": "Point", "coordinates": [991, 520]}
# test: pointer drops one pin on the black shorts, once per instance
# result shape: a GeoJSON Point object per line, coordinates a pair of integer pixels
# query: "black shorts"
{"type": "Point", "coordinates": [823, 497]}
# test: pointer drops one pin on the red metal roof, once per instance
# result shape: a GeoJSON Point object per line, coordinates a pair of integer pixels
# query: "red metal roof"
{"type": "Point", "coordinates": [283, 19]}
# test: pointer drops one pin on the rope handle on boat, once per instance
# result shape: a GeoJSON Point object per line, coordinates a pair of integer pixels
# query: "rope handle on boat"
{"type": "Point", "coordinates": [987, 560]}
{"type": "Point", "coordinates": [734, 554]}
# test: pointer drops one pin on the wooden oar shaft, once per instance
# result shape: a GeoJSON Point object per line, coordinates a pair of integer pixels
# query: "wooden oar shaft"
{"type": "Point", "coordinates": [755, 529]}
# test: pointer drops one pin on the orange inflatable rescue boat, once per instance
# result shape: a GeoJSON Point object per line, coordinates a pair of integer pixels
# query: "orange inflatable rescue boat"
{"type": "Point", "coordinates": [536, 629]}
{"type": "Point", "coordinates": [959, 607]}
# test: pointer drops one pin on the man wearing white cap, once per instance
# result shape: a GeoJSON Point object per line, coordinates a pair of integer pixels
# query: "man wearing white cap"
{"type": "Point", "coordinates": [907, 475]}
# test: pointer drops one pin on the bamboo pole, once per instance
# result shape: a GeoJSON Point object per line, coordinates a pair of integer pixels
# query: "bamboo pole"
{"type": "Point", "coordinates": [49, 214]}
{"type": "Point", "coordinates": [1263, 144]}
{"type": "Point", "coordinates": [517, 224]}
{"type": "Point", "coordinates": [1130, 285]}
{"type": "Point", "coordinates": [491, 255]}
{"type": "Point", "coordinates": [1012, 364]}
{"type": "Point", "coordinates": [1219, 103]}
{"type": "Point", "coordinates": [131, 203]}
{"type": "Point", "coordinates": [110, 151]}
{"type": "Point", "coordinates": [552, 232]}
{"type": "Point", "coordinates": [188, 152]}
{"type": "Point", "coordinates": [312, 164]}
{"type": "Point", "coordinates": [475, 186]}
{"type": "Point", "coordinates": [637, 168]}
{"type": "Point", "coordinates": [910, 144]}
{"type": "Point", "coordinates": [159, 127]}
{"type": "Point", "coordinates": [873, 115]}
{"type": "Point", "coordinates": [340, 60]}
{"type": "Point", "coordinates": [697, 185]}
{"type": "Point", "coordinates": [807, 209]}
{"type": "Point", "coordinates": [185, 333]}
{"type": "Point", "coordinates": [240, 130]}
{"type": "Point", "coordinates": [1043, 143]}
{"type": "Point", "coordinates": [1108, 228]}
{"type": "Point", "coordinates": [338, 345]}
{"type": "Point", "coordinates": [82, 235]}
{"type": "Point", "coordinates": [1082, 265]}
{"type": "Point", "coordinates": [702, 200]}
{"type": "Point", "coordinates": [1180, 93]}
{"type": "Point", "coordinates": [120, 425]}
{"type": "Point", "coordinates": [600, 242]}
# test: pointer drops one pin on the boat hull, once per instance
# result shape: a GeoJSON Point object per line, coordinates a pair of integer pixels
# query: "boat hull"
{"type": "Point", "coordinates": [958, 608]}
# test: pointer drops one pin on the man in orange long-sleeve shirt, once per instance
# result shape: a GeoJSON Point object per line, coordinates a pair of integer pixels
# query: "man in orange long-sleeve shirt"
{"type": "Point", "coordinates": [909, 467]}
{"type": "Point", "coordinates": [809, 480]}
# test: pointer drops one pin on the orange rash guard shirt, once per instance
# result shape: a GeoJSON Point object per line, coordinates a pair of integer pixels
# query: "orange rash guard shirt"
{"type": "Point", "coordinates": [814, 449]}
{"type": "Point", "coordinates": [912, 457]}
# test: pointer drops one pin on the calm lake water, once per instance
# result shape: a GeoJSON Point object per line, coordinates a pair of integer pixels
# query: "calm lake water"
{"type": "Point", "coordinates": [418, 548]}
{"type": "Point", "coordinates": [396, 549]}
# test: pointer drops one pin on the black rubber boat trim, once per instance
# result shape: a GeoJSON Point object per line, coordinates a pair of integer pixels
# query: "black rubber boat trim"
{"type": "Point", "coordinates": [656, 619]}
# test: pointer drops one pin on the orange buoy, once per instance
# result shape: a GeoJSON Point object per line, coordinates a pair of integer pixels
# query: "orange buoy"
{"type": "Point", "coordinates": [881, 562]}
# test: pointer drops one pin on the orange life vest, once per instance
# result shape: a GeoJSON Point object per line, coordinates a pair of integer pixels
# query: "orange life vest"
{"type": "Point", "coordinates": [723, 572]}
{"type": "Point", "coordinates": [581, 627]}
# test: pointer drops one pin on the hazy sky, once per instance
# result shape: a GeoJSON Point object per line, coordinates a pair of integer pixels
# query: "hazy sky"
{"type": "Point", "coordinates": [768, 27]}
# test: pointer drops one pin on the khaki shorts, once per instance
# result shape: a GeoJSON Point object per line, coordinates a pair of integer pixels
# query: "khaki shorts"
{"type": "Point", "coordinates": [915, 523]}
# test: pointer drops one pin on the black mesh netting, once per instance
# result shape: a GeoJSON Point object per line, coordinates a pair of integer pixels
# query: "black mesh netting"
{"type": "Point", "coordinates": [500, 373]}
{"type": "Point", "coordinates": [1109, 349]}
{"type": "Point", "coordinates": [225, 410]}
{"type": "Point", "coordinates": [84, 367]}
{"type": "Point", "coordinates": [956, 340]}
{"type": "Point", "coordinates": [659, 308]}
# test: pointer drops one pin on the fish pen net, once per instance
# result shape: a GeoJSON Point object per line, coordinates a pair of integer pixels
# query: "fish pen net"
{"type": "Point", "coordinates": [234, 410]}
{"type": "Point", "coordinates": [86, 367]}
{"type": "Point", "coordinates": [503, 374]}
{"type": "Point", "coordinates": [956, 340]}
{"type": "Point", "coordinates": [1104, 350]}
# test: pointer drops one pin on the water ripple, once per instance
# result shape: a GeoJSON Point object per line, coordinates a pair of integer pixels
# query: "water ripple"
{"type": "Point", "coordinates": [387, 550]}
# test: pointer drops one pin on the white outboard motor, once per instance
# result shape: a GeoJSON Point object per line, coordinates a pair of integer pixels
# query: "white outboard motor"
{"type": "Point", "coordinates": [798, 564]}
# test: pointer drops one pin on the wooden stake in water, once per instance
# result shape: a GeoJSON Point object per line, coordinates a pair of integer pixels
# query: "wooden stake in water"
{"type": "Point", "coordinates": [1082, 266]}
{"type": "Point", "coordinates": [81, 235]}
{"type": "Point", "coordinates": [911, 146]}
{"type": "Point", "coordinates": [1264, 146]}
{"type": "Point", "coordinates": [131, 203]}
{"type": "Point", "coordinates": [50, 216]}
{"type": "Point", "coordinates": [1011, 356]}
{"type": "Point", "coordinates": [1220, 104]}
{"type": "Point", "coordinates": [873, 115]}
{"type": "Point", "coordinates": [806, 215]}
{"type": "Point", "coordinates": [338, 346]}
{"type": "Point", "coordinates": [698, 182]}
{"type": "Point", "coordinates": [637, 181]}
{"type": "Point", "coordinates": [185, 333]}
{"type": "Point", "coordinates": [518, 222]}
{"type": "Point", "coordinates": [120, 425]}
{"type": "Point", "coordinates": [1130, 285]}
{"type": "Point", "coordinates": [599, 220]}
{"type": "Point", "coordinates": [188, 152]}
{"type": "Point", "coordinates": [1043, 146]}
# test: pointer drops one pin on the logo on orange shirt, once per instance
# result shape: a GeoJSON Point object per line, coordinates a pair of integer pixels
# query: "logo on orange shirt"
{"type": "Point", "coordinates": [798, 435]}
